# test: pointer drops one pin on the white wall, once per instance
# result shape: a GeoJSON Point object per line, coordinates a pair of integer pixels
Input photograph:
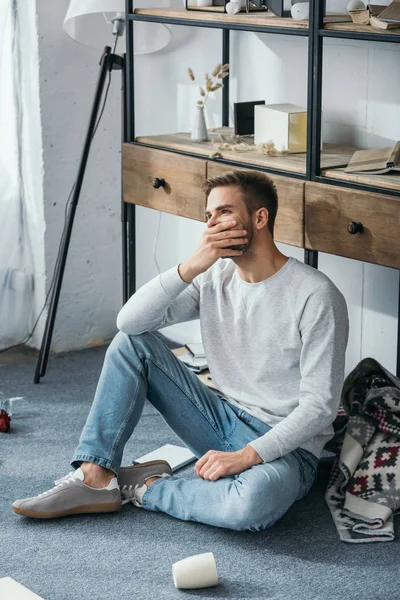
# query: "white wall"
{"type": "Point", "coordinates": [361, 104]}
{"type": "Point", "coordinates": [92, 291]}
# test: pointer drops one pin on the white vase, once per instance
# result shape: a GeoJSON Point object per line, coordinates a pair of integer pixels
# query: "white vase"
{"type": "Point", "coordinates": [199, 129]}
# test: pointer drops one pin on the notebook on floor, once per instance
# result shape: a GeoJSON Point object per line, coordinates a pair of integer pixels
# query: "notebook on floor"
{"type": "Point", "coordinates": [12, 590]}
{"type": "Point", "coordinates": [176, 456]}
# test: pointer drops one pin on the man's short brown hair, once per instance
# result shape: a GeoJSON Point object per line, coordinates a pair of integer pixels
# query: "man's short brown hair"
{"type": "Point", "coordinates": [258, 191]}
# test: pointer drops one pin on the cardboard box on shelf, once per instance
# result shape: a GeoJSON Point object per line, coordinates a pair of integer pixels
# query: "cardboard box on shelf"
{"type": "Point", "coordinates": [283, 124]}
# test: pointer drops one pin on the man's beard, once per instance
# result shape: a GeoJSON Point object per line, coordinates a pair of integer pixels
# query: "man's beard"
{"type": "Point", "coordinates": [243, 247]}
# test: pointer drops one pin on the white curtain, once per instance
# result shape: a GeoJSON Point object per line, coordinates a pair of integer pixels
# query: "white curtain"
{"type": "Point", "coordinates": [21, 207]}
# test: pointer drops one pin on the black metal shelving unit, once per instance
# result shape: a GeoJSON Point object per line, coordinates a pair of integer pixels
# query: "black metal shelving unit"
{"type": "Point", "coordinates": [315, 34]}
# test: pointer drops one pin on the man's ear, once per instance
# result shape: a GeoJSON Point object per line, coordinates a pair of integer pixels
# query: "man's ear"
{"type": "Point", "coordinates": [261, 218]}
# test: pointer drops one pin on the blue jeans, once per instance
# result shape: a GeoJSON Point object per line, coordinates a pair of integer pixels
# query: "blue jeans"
{"type": "Point", "coordinates": [142, 366]}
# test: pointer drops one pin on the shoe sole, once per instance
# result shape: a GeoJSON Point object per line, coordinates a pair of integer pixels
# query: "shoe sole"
{"type": "Point", "coordinates": [77, 510]}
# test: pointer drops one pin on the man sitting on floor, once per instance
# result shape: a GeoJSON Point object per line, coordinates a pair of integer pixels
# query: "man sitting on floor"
{"type": "Point", "coordinates": [275, 333]}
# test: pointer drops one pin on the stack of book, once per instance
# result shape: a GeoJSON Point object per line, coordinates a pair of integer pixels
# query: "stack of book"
{"type": "Point", "coordinates": [376, 15]}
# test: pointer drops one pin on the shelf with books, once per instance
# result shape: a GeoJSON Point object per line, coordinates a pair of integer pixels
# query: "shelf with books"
{"type": "Point", "coordinates": [389, 181]}
{"type": "Point", "coordinates": [377, 168]}
{"type": "Point", "coordinates": [361, 32]}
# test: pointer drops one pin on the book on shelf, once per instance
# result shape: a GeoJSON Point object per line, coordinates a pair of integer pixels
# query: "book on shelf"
{"type": "Point", "coordinates": [337, 18]}
{"type": "Point", "coordinates": [376, 22]}
{"type": "Point", "coordinates": [391, 13]}
{"type": "Point", "coordinates": [375, 9]}
{"type": "Point", "coordinates": [375, 162]}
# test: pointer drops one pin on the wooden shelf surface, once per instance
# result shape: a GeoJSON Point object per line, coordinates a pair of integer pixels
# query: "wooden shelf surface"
{"type": "Point", "coordinates": [389, 181]}
{"type": "Point", "coordinates": [354, 28]}
{"type": "Point", "coordinates": [256, 18]}
{"type": "Point", "coordinates": [333, 156]}
{"type": "Point", "coordinates": [332, 21]}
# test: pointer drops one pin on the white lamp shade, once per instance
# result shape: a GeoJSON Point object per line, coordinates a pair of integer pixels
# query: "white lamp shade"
{"type": "Point", "coordinates": [89, 22]}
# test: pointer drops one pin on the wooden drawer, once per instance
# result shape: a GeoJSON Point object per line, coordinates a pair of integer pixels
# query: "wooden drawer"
{"type": "Point", "coordinates": [328, 212]}
{"type": "Point", "coordinates": [183, 176]}
{"type": "Point", "coordinates": [289, 223]}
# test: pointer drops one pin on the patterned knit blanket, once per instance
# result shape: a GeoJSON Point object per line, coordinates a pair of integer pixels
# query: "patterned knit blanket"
{"type": "Point", "coordinates": [363, 492]}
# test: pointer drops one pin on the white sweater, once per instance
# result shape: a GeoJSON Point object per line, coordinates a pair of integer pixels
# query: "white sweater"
{"type": "Point", "coordinates": [275, 348]}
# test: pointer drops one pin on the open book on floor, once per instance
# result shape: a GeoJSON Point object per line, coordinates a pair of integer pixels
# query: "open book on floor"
{"type": "Point", "coordinates": [375, 162]}
{"type": "Point", "coordinates": [12, 590]}
{"type": "Point", "coordinates": [196, 364]}
{"type": "Point", "coordinates": [176, 456]}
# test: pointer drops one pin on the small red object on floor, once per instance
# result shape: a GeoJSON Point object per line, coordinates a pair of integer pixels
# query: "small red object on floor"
{"type": "Point", "coordinates": [5, 420]}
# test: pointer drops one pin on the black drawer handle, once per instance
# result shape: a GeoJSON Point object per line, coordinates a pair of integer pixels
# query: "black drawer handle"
{"type": "Point", "coordinates": [158, 182]}
{"type": "Point", "coordinates": [355, 227]}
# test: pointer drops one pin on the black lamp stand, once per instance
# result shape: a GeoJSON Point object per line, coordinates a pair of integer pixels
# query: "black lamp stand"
{"type": "Point", "coordinates": [108, 62]}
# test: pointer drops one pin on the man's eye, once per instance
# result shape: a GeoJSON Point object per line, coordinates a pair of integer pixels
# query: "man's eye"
{"type": "Point", "coordinates": [225, 210]}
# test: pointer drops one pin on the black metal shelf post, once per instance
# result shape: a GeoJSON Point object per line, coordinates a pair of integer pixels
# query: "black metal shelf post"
{"type": "Point", "coordinates": [225, 89]}
{"type": "Point", "coordinates": [314, 99]}
{"type": "Point", "coordinates": [129, 226]}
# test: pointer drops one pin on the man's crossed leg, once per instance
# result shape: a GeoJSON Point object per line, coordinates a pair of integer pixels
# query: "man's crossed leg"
{"type": "Point", "coordinates": [140, 367]}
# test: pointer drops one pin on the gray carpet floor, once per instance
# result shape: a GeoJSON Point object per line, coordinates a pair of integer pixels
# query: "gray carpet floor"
{"type": "Point", "coordinates": [129, 554]}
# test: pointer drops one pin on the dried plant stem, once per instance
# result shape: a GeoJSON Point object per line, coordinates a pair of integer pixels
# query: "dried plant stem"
{"type": "Point", "coordinates": [236, 145]}
{"type": "Point", "coordinates": [213, 83]}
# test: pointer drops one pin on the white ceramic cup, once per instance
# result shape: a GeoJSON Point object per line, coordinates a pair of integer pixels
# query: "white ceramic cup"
{"type": "Point", "coordinates": [198, 571]}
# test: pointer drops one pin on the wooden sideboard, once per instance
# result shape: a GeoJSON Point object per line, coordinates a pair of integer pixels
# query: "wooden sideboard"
{"type": "Point", "coordinates": [341, 221]}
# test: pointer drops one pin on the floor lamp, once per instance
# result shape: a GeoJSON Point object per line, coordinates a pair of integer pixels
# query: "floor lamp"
{"type": "Point", "coordinates": [94, 23]}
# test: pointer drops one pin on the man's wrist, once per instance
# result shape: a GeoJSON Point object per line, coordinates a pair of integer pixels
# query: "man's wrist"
{"type": "Point", "coordinates": [252, 455]}
{"type": "Point", "coordinates": [186, 273]}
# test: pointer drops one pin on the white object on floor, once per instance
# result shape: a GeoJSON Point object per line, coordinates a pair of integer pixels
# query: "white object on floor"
{"type": "Point", "coordinates": [12, 590]}
{"type": "Point", "coordinates": [198, 571]}
{"type": "Point", "coordinates": [176, 456]}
